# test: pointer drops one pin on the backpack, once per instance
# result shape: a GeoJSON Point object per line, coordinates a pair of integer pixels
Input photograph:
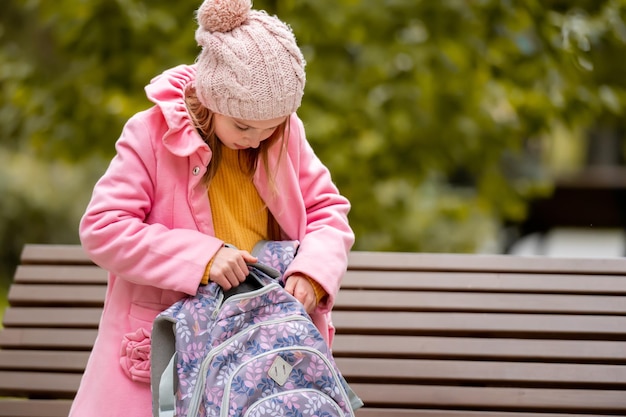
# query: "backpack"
{"type": "Point", "coordinates": [252, 351]}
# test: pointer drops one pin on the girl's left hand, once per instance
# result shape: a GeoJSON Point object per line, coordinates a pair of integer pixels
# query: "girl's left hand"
{"type": "Point", "coordinates": [300, 287]}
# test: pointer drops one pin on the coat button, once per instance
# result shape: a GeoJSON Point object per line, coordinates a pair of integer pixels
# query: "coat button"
{"type": "Point", "coordinates": [196, 170]}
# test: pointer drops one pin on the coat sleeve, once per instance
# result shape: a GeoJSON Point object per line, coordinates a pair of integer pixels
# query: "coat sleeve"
{"type": "Point", "coordinates": [325, 237]}
{"type": "Point", "coordinates": [114, 231]}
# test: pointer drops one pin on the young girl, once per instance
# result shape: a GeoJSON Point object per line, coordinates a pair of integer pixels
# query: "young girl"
{"type": "Point", "coordinates": [221, 158]}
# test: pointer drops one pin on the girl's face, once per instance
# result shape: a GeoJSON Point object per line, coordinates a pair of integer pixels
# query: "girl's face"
{"type": "Point", "coordinates": [243, 134]}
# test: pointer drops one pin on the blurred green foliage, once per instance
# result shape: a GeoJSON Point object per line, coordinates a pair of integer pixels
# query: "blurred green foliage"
{"type": "Point", "coordinates": [435, 117]}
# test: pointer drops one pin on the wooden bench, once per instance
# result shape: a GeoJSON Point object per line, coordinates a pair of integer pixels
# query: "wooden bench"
{"type": "Point", "coordinates": [425, 335]}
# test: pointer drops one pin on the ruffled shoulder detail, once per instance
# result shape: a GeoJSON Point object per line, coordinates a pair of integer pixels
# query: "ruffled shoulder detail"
{"type": "Point", "coordinates": [167, 91]}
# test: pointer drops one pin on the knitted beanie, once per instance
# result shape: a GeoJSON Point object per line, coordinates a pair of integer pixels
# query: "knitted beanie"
{"type": "Point", "coordinates": [250, 66]}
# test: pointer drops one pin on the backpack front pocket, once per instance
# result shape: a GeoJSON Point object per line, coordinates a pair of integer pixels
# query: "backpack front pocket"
{"type": "Point", "coordinates": [295, 378]}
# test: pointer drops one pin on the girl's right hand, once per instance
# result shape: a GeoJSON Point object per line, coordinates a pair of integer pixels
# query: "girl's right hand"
{"type": "Point", "coordinates": [229, 267]}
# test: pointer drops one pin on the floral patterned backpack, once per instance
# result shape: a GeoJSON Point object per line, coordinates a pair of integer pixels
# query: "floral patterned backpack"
{"type": "Point", "coordinates": [251, 352]}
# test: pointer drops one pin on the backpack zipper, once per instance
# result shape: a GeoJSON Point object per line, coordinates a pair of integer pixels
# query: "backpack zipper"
{"type": "Point", "coordinates": [330, 400]}
{"type": "Point", "coordinates": [260, 291]}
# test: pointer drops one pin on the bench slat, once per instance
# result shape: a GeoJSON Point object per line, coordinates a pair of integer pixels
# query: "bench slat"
{"type": "Point", "coordinates": [52, 317]}
{"type": "Point", "coordinates": [93, 295]}
{"type": "Point", "coordinates": [60, 274]}
{"type": "Point", "coordinates": [34, 360]}
{"type": "Point", "coordinates": [54, 254]}
{"type": "Point", "coordinates": [455, 372]}
{"type": "Point", "coordinates": [492, 398]}
{"type": "Point", "coordinates": [381, 322]}
{"type": "Point", "coordinates": [74, 254]}
{"type": "Point", "coordinates": [502, 325]}
{"type": "Point", "coordinates": [553, 350]}
{"type": "Point", "coordinates": [399, 412]}
{"type": "Point", "coordinates": [57, 295]}
{"type": "Point", "coordinates": [55, 339]}
{"type": "Point", "coordinates": [485, 281]}
{"type": "Point", "coordinates": [478, 281]}
{"type": "Point", "coordinates": [13, 407]}
{"type": "Point", "coordinates": [415, 280]}
{"type": "Point", "coordinates": [63, 385]}
{"type": "Point", "coordinates": [40, 384]}
{"type": "Point", "coordinates": [384, 370]}
{"type": "Point", "coordinates": [394, 261]}
{"type": "Point", "coordinates": [60, 408]}
{"type": "Point", "coordinates": [355, 300]}
{"type": "Point", "coordinates": [380, 346]}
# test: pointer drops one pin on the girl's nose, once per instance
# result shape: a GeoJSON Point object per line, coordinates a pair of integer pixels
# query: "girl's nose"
{"type": "Point", "coordinates": [254, 139]}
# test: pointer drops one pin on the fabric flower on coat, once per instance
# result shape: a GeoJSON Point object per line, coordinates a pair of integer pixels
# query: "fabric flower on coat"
{"type": "Point", "coordinates": [135, 355]}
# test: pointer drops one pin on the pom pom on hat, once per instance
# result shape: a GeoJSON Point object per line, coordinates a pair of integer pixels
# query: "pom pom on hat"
{"type": "Point", "coordinates": [223, 15]}
{"type": "Point", "coordinates": [250, 66]}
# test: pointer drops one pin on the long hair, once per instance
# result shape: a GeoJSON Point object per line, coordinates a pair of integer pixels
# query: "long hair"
{"type": "Point", "coordinates": [202, 118]}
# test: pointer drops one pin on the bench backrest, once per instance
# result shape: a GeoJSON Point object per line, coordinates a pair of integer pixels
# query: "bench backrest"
{"type": "Point", "coordinates": [417, 334]}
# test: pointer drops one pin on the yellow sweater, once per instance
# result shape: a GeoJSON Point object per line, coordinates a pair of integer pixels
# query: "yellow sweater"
{"type": "Point", "coordinates": [240, 216]}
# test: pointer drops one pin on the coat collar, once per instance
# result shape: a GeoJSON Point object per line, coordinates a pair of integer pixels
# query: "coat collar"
{"type": "Point", "coordinates": [167, 91]}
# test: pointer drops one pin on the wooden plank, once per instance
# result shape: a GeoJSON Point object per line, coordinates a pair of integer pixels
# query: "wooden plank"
{"type": "Point", "coordinates": [553, 350]}
{"type": "Point", "coordinates": [60, 408]}
{"type": "Point", "coordinates": [501, 325]}
{"type": "Point", "coordinates": [90, 295]}
{"type": "Point", "coordinates": [382, 322]}
{"type": "Point", "coordinates": [485, 282]}
{"type": "Point", "coordinates": [41, 384]}
{"type": "Point", "coordinates": [60, 274]}
{"type": "Point", "coordinates": [394, 412]}
{"type": "Point", "coordinates": [455, 372]}
{"type": "Point", "coordinates": [57, 295]}
{"type": "Point", "coordinates": [52, 317]}
{"type": "Point", "coordinates": [381, 394]}
{"type": "Point", "coordinates": [396, 261]}
{"type": "Point", "coordinates": [54, 339]}
{"type": "Point", "coordinates": [43, 360]}
{"type": "Point", "coordinates": [14, 407]}
{"type": "Point", "coordinates": [478, 280]}
{"type": "Point", "coordinates": [355, 300]}
{"type": "Point", "coordinates": [74, 254]}
{"type": "Point", "coordinates": [492, 398]}
{"type": "Point", "coordinates": [54, 254]}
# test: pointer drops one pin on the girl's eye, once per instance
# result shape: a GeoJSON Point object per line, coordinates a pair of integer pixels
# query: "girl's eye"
{"type": "Point", "coordinates": [242, 128]}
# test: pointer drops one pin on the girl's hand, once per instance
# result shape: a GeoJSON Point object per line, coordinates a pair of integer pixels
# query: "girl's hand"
{"type": "Point", "coordinates": [229, 267]}
{"type": "Point", "coordinates": [300, 287]}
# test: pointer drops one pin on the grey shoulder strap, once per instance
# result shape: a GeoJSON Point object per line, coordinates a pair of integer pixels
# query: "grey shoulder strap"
{"type": "Point", "coordinates": [167, 398]}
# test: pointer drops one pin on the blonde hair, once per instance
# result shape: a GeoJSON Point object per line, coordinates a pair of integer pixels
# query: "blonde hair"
{"type": "Point", "coordinates": [202, 119]}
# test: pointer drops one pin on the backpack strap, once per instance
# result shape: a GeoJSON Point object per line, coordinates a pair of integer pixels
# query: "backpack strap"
{"type": "Point", "coordinates": [162, 360]}
{"type": "Point", "coordinates": [167, 399]}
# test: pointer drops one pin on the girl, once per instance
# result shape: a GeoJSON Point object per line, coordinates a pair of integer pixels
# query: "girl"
{"type": "Point", "coordinates": [220, 158]}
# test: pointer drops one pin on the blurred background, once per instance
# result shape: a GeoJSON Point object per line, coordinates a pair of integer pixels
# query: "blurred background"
{"type": "Point", "coordinates": [468, 126]}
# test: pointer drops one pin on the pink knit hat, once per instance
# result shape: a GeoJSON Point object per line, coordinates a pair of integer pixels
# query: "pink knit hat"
{"type": "Point", "coordinates": [250, 66]}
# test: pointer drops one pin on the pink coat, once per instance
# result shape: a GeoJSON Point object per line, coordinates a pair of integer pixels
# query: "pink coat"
{"type": "Point", "coordinates": [149, 224]}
